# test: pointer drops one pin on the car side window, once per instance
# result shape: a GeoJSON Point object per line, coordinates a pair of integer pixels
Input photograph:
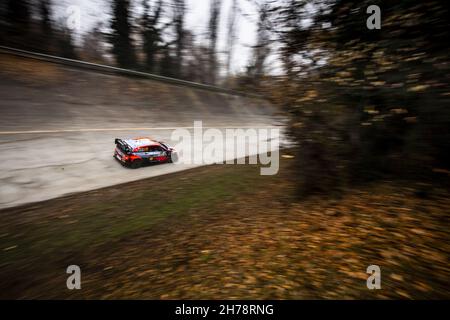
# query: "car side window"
{"type": "Point", "coordinates": [143, 149]}
{"type": "Point", "coordinates": [156, 149]}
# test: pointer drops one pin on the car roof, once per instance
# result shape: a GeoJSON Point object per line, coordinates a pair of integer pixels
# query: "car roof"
{"type": "Point", "coordinates": [141, 142]}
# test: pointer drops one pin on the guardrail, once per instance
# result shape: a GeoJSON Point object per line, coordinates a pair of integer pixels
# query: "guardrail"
{"type": "Point", "coordinates": [121, 71]}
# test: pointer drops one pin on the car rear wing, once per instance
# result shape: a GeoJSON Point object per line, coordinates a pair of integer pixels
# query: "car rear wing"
{"type": "Point", "coordinates": [122, 145]}
{"type": "Point", "coordinates": [165, 145]}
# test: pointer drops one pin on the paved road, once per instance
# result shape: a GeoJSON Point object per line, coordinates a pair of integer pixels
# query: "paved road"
{"type": "Point", "coordinates": [58, 124]}
{"type": "Point", "coordinates": [43, 164]}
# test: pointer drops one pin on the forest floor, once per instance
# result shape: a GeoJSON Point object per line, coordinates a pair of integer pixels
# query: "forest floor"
{"type": "Point", "coordinates": [226, 232]}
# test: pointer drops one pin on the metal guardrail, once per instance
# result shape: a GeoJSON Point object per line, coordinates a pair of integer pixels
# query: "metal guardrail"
{"type": "Point", "coordinates": [121, 71]}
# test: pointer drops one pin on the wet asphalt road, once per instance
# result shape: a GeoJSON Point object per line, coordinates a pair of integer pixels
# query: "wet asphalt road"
{"type": "Point", "coordinates": [58, 124]}
{"type": "Point", "coordinates": [36, 166]}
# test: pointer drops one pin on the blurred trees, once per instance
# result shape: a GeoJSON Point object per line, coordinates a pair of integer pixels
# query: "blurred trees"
{"type": "Point", "coordinates": [262, 49]}
{"type": "Point", "coordinates": [197, 60]}
{"type": "Point", "coordinates": [16, 23]}
{"type": "Point", "coordinates": [214, 14]}
{"type": "Point", "coordinates": [365, 103]}
{"type": "Point", "coordinates": [179, 12]}
{"type": "Point", "coordinates": [145, 35]}
{"type": "Point", "coordinates": [252, 79]}
{"type": "Point", "coordinates": [64, 44]}
{"type": "Point", "coordinates": [151, 33]}
{"type": "Point", "coordinates": [167, 47]}
{"type": "Point", "coordinates": [231, 36]}
{"type": "Point", "coordinates": [93, 46]}
{"type": "Point", "coordinates": [27, 24]}
{"type": "Point", "coordinates": [120, 37]}
{"type": "Point", "coordinates": [18, 17]}
{"type": "Point", "coordinates": [46, 25]}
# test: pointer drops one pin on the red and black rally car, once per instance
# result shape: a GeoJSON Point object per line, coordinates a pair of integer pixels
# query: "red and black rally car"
{"type": "Point", "coordinates": [136, 152]}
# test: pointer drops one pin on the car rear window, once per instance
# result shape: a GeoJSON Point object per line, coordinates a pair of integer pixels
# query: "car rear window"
{"type": "Point", "coordinates": [122, 147]}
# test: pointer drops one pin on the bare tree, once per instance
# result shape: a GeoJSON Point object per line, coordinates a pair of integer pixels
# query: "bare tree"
{"type": "Point", "coordinates": [151, 34]}
{"type": "Point", "coordinates": [196, 62]}
{"type": "Point", "coordinates": [214, 15]}
{"type": "Point", "coordinates": [261, 50]}
{"type": "Point", "coordinates": [231, 28]}
{"type": "Point", "coordinates": [18, 21]}
{"type": "Point", "coordinates": [120, 37]}
{"type": "Point", "coordinates": [179, 13]}
{"type": "Point", "coordinates": [93, 46]}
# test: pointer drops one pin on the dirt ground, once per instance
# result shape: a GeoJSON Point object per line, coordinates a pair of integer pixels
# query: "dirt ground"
{"type": "Point", "coordinates": [224, 232]}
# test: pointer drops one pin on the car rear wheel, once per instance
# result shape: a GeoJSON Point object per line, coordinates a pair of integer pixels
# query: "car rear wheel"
{"type": "Point", "coordinates": [136, 164]}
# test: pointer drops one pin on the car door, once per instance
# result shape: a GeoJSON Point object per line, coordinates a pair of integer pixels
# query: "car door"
{"type": "Point", "coordinates": [143, 152]}
{"type": "Point", "coordinates": [159, 154]}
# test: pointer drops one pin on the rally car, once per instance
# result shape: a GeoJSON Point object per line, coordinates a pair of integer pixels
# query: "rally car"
{"type": "Point", "coordinates": [135, 152]}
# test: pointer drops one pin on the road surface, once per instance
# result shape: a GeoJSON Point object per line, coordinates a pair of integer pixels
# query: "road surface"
{"type": "Point", "coordinates": [40, 165]}
{"type": "Point", "coordinates": [58, 124]}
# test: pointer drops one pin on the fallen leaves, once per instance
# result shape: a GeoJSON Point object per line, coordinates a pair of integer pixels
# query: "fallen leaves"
{"type": "Point", "coordinates": [396, 277]}
{"type": "Point", "coordinates": [10, 248]}
{"type": "Point", "coordinates": [418, 88]}
{"type": "Point", "coordinates": [307, 251]}
{"type": "Point", "coordinates": [260, 246]}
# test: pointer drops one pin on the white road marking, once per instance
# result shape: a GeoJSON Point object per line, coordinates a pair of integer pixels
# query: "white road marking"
{"type": "Point", "coordinates": [128, 129]}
